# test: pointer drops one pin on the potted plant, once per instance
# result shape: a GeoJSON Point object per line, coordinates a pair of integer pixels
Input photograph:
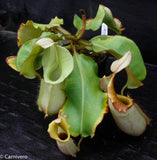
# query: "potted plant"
{"type": "Point", "coordinates": [69, 82]}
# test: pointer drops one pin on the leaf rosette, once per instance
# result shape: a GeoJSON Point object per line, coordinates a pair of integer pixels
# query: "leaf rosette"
{"type": "Point", "coordinates": [67, 67]}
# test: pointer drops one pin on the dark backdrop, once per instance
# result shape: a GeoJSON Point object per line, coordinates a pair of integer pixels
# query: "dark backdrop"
{"type": "Point", "coordinates": [23, 129]}
{"type": "Point", "coordinates": [138, 17]}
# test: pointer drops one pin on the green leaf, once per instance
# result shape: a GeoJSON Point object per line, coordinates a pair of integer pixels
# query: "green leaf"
{"type": "Point", "coordinates": [11, 61]}
{"type": "Point", "coordinates": [98, 43]}
{"type": "Point", "coordinates": [45, 27]}
{"type": "Point", "coordinates": [24, 52]}
{"type": "Point", "coordinates": [57, 64]}
{"type": "Point", "coordinates": [56, 22]}
{"type": "Point", "coordinates": [86, 103]}
{"type": "Point", "coordinates": [77, 22]}
{"type": "Point", "coordinates": [46, 34]}
{"type": "Point", "coordinates": [92, 24]}
{"type": "Point", "coordinates": [117, 46]}
{"type": "Point", "coordinates": [38, 61]}
{"type": "Point", "coordinates": [112, 23]}
{"type": "Point", "coordinates": [103, 15]}
{"type": "Point", "coordinates": [27, 32]}
{"type": "Point", "coordinates": [95, 24]}
{"type": "Point", "coordinates": [32, 30]}
{"type": "Point", "coordinates": [29, 59]}
{"type": "Point", "coordinates": [51, 35]}
{"type": "Point", "coordinates": [28, 67]}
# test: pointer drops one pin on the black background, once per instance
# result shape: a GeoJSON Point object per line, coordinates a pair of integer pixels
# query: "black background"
{"type": "Point", "coordinates": [23, 129]}
{"type": "Point", "coordinates": [138, 17]}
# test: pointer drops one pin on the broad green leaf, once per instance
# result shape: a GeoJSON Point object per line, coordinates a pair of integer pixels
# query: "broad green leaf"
{"type": "Point", "coordinates": [112, 23]}
{"type": "Point", "coordinates": [38, 61]}
{"type": "Point", "coordinates": [56, 22]}
{"type": "Point", "coordinates": [45, 34]}
{"type": "Point", "coordinates": [86, 103]}
{"type": "Point", "coordinates": [57, 64]}
{"type": "Point", "coordinates": [11, 61]}
{"type": "Point", "coordinates": [53, 23]}
{"type": "Point", "coordinates": [32, 30]}
{"type": "Point", "coordinates": [98, 43]}
{"type": "Point", "coordinates": [54, 37]}
{"type": "Point", "coordinates": [95, 24]}
{"type": "Point", "coordinates": [117, 46]}
{"type": "Point", "coordinates": [24, 52]}
{"type": "Point", "coordinates": [92, 24]}
{"type": "Point", "coordinates": [27, 32]}
{"type": "Point", "coordinates": [103, 15]}
{"type": "Point", "coordinates": [77, 22]}
{"type": "Point", "coordinates": [28, 67]}
{"type": "Point", "coordinates": [51, 97]}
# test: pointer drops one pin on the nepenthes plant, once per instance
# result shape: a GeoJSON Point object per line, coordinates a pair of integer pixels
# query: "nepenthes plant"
{"type": "Point", "coordinates": [67, 67]}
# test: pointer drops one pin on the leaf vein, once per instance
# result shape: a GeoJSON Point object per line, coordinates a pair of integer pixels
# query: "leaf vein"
{"type": "Point", "coordinates": [82, 95]}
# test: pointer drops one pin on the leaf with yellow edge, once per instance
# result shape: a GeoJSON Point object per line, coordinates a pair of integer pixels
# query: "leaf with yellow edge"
{"type": "Point", "coordinates": [27, 32]}
{"type": "Point", "coordinates": [11, 61]}
{"type": "Point", "coordinates": [32, 30]}
{"type": "Point", "coordinates": [86, 103]}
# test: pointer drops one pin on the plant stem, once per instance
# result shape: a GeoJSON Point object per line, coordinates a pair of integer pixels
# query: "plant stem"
{"type": "Point", "coordinates": [84, 42]}
{"type": "Point", "coordinates": [66, 34]}
{"type": "Point", "coordinates": [81, 32]}
{"type": "Point", "coordinates": [63, 31]}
